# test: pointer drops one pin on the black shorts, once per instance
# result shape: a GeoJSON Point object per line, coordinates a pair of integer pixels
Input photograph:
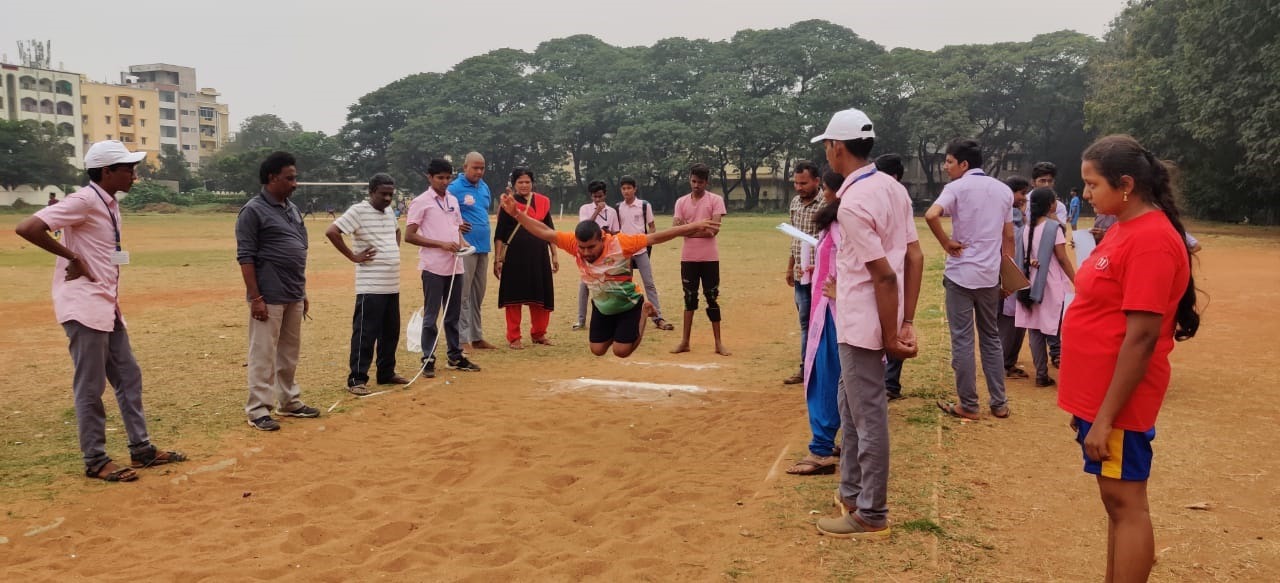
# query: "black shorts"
{"type": "Point", "coordinates": [622, 328]}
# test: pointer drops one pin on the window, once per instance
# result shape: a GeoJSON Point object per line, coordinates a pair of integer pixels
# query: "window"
{"type": "Point", "coordinates": [46, 106]}
{"type": "Point", "coordinates": [186, 112]}
{"type": "Point", "coordinates": [63, 87]}
{"type": "Point", "coordinates": [186, 146]}
{"type": "Point", "coordinates": [167, 96]}
{"type": "Point", "coordinates": [168, 114]}
{"type": "Point", "coordinates": [28, 104]}
{"type": "Point", "coordinates": [142, 104]}
{"type": "Point", "coordinates": [206, 113]}
{"type": "Point", "coordinates": [144, 141]}
{"type": "Point", "coordinates": [65, 108]}
{"type": "Point", "coordinates": [125, 102]}
{"type": "Point", "coordinates": [1, 103]}
{"type": "Point", "coordinates": [84, 100]}
{"type": "Point", "coordinates": [186, 130]}
{"type": "Point", "coordinates": [106, 100]}
{"type": "Point", "coordinates": [142, 122]}
{"type": "Point", "coordinates": [66, 130]}
{"type": "Point", "coordinates": [126, 121]}
{"type": "Point", "coordinates": [27, 83]}
{"type": "Point", "coordinates": [126, 139]}
{"type": "Point", "coordinates": [108, 118]}
{"type": "Point", "coordinates": [168, 132]}
{"type": "Point", "coordinates": [108, 136]}
{"type": "Point", "coordinates": [84, 120]}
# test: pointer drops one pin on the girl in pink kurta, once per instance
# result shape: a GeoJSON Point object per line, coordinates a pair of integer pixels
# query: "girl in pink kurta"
{"type": "Point", "coordinates": [1041, 314]}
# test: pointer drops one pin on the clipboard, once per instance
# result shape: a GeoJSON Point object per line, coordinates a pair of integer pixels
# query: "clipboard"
{"type": "Point", "coordinates": [1011, 277]}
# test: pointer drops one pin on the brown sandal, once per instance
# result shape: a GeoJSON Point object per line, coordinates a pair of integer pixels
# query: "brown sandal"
{"type": "Point", "coordinates": [120, 474]}
{"type": "Point", "coordinates": [957, 411]}
{"type": "Point", "coordinates": [812, 465]}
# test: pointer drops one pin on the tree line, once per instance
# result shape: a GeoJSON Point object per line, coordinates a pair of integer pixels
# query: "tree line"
{"type": "Point", "coordinates": [1195, 80]}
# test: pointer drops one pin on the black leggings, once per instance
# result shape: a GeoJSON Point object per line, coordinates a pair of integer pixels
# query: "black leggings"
{"type": "Point", "coordinates": [708, 273]}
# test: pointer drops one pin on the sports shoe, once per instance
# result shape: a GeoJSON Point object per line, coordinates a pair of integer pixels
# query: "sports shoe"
{"type": "Point", "coordinates": [579, 326]}
{"type": "Point", "coordinates": [850, 526]}
{"type": "Point", "coordinates": [264, 423]}
{"type": "Point", "coordinates": [303, 411]}
{"type": "Point", "coordinates": [429, 369]}
{"type": "Point", "coordinates": [463, 364]}
{"type": "Point", "coordinates": [1045, 381]}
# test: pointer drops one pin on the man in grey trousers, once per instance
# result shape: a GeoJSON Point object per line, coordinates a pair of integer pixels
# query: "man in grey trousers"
{"type": "Point", "coordinates": [473, 195]}
{"type": "Point", "coordinates": [86, 294]}
{"type": "Point", "coordinates": [635, 216]}
{"type": "Point", "coordinates": [981, 234]}
{"type": "Point", "coordinates": [878, 269]}
{"type": "Point", "coordinates": [271, 248]}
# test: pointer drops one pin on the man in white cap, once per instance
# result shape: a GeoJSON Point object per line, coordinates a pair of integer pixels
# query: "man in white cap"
{"type": "Point", "coordinates": [878, 269]}
{"type": "Point", "coordinates": [86, 301]}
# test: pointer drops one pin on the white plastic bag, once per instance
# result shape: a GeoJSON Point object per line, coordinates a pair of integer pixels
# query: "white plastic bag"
{"type": "Point", "coordinates": [413, 332]}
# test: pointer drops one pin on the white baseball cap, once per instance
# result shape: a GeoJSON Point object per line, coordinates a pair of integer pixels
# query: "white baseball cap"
{"type": "Point", "coordinates": [850, 124]}
{"type": "Point", "coordinates": [106, 153]}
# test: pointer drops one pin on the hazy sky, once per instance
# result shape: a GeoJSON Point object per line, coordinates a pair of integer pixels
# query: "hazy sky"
{"type": "Point", "coordinates": [308, 61]}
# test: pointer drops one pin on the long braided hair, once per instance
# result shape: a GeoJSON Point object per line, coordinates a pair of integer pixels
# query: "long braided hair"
{"type": "Point", "coordinates": [1116, 156]}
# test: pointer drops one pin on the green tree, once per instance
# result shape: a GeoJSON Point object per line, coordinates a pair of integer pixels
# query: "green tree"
{"type": "Point", "coordinates": [174, 166]}
{"type": "Point", "coordinates": [33, 153]}
{"type": "Point", "coordinates": [1196, 81]}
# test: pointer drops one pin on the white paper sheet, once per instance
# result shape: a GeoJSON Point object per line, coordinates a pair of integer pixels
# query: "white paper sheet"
{"type": "Point", "coordinates": [1084, 245]}
{"type": "Point", "coordinates": [798, 234]}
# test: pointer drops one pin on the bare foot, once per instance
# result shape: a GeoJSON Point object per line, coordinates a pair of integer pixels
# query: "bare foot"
{"type": "Point", "coordinates": [517, 345]}
{"type": "Point", "coordinates": [722, 351]}
{"type": "Point", "coordinates": [543, 341]}
{"type": "Point", "coordinates": [483, 345]}
{"type": "Point", "coordinates": [683, 347]}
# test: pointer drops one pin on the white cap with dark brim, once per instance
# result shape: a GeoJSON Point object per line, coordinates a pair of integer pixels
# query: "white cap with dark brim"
{"type": "Point", "coordinates": [106, 153]}
{"type": "Point", "coordinates": [850, 124]}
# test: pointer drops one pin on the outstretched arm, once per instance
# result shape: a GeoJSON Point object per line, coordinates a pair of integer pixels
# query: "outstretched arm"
{"type": "Point", "coordinates": [685, 230]}
{"type": "Point", "coordinates": [534, 226]}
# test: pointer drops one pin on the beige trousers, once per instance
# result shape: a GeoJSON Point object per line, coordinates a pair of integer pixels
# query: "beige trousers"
{"type": "Point", "coordinates": [273, 360]}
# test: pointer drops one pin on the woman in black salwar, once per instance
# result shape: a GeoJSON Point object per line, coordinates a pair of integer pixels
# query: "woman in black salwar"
{"type": "Point", "coordinates": [525, 263]}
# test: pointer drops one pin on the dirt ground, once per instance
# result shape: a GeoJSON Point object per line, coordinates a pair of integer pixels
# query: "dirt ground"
{"type": "Point", "coordinates": [545, 467]}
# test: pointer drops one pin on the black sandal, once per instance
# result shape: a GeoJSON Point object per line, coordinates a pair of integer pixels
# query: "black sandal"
{"type": "Point", "coordinates": [119, 475]}
{"type": "Point", "coordinates": [151, 457]}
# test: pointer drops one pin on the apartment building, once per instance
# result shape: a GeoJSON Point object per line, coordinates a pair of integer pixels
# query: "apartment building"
{"type": "Point", "coordinates": [127, 113]}
{"type": "Point", "coordinates": [46, 96]}
{"type": "Point", "coordinates": [191, 119]}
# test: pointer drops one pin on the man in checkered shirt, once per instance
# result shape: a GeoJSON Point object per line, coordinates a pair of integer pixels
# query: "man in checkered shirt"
{"type": "Point", "coordinates": [804, 207]}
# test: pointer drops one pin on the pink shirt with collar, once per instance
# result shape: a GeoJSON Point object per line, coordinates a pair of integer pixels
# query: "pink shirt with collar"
{"type": "Point", "coordinates": [690, 210]}
{"type": "Point", "coordinates": [875, 222]}
{"type": "Point", "coordinates": [634, 217]}
{"type": "Point", "coordinates": [437, 218]}
{"type": "Point", "coordinates": [84, 217]}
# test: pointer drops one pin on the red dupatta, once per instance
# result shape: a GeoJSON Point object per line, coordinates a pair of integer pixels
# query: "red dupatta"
{"type": "Point", "coordinates": [538, 208]}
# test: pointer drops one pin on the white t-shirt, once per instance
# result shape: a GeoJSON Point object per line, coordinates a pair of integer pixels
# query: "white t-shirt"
{"type": "Point", "coordinates": [369, 227]}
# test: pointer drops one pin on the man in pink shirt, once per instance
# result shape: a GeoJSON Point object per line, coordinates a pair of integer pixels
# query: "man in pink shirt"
{"type": "Point", "coordinates": [435, 224]}
{"type": "Point", "coordinates": [878, 269]}
{"type": "Point", "coordinates": [980, 208]}
{"type": "Point", "coordinates": [86, 301]}
{"type": "Point", "coordinates": [700, 257]}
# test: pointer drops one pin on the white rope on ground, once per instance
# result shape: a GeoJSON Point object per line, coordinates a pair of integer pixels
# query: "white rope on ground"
{"type": "Point", "coordinates": [448, 296]}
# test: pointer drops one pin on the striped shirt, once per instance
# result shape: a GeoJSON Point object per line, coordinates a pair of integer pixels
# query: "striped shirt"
{"type": "Point", "coordinates": [369, 227]}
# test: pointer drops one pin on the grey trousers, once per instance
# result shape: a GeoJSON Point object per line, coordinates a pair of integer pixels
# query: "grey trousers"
{"type": "Point", "coordinates": [965, 308]}
{"type": "Point", "coordinates": [475, 281]}
{"type": "Point", "coordinates": [1010, 339]}
{"type": "Point", "coordinates": [582, 303]}
{"type": "Point", "coordinates": [645, 267]}
{"type": "Point", "coordinates": [273, 360]}
{"type": "Point", "coordinates": [98, 358]}
{"type": "Point", "coordinates": [1039, 344]}
{"type": "Point", "coordinates": [864, 446]}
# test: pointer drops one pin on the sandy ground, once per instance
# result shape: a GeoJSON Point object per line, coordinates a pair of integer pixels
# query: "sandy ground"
{"type": "Point", "coordinates": [530, 470]}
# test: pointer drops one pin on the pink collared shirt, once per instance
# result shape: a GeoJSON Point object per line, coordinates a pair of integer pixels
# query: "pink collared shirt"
{"type": "Point", "coordinates": [437, 218]}
{"type": "Point", "coordinates": [84, 217]}
{"type": "Point", "coordinates": [634, 218]}
{"type": "Point", "coordinates": [875, 222]}
{"type": "Point", "coordinates": [710, 206]}
{"type": "Point", "coordinates": [979, 209]}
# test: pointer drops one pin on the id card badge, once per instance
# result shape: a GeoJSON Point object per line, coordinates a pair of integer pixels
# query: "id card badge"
{"type": "Point", "coordinates": [120, 258]}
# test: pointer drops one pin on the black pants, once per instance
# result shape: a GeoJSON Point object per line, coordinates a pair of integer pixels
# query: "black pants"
{"type": "Point", "coordinates": [436, 288]}
{"type": "Point", "coordinates": [708, 274]}
{"type": "Point", "coordinates": [376, 322]}
{"type": "Point", "coordinates": [893, 377]}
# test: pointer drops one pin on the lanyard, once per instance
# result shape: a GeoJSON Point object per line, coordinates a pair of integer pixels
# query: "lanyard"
{"type": "Point", "coordinates": [114, 225]}
{"type": "Point", "coordinates": [869, 173]}
{"type": "Point", "coordinates": [437, 199]}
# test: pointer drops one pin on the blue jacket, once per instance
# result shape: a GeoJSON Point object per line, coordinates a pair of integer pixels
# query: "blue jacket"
{"type": "Point", "coordinates": [476, 213]}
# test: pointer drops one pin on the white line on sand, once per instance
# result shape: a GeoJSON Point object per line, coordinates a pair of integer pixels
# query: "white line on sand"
{"type": "Point", "coordinates": [630, 385]}
{"type": "Point", "coordinates": [777, 464]}
{"type": "Point", "coordinates": [703, 366]}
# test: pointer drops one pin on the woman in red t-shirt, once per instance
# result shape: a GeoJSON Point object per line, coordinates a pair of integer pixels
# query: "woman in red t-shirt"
{"type": "Point", "coordinates": [1134, 297]}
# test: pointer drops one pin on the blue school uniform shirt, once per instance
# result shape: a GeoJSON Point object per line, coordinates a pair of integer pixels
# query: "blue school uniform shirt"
{"type": "Point", "coordinates": [475, 210]}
